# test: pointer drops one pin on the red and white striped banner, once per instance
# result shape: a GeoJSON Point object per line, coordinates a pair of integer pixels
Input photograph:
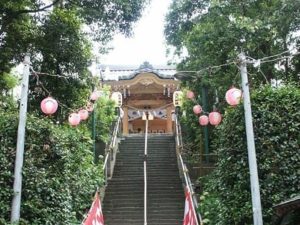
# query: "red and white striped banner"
{"type": "Point", "coordinates": [95, 216]}
{"type": "Point", "coordinates": [190, 217]}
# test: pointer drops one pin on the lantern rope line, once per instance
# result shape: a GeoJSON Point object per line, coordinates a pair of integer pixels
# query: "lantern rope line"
{"type": "Point", "coordinates": [263, 74]}
{"type": "Point", "coordinates": [52, 75]}
{"type": "Point", "coordinates": [39, 83]}
{"type": "Point", "coordinates": [59, 103]}
{"type": "Point", "coordinates": [271, 58]}
{"type": "Point", "coordinates": [252, 61]}
{"type": "Point", "coordinates": [282, 58]}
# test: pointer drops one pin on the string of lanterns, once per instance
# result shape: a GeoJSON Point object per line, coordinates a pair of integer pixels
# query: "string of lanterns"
{"type": "Point", "coordinates": [49, 106]}
{"type": "Point", "coordinates": [233, 97]}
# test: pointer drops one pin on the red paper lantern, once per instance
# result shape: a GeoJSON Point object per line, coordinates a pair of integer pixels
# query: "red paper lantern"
{"type": "Point", "coordinates": [190, 94]}
{"type": "Point", "coordinates": [74, 119]}
{"type": "Point", "coordinates": [84, 114]}
{"type": "Point", "coordinates": [49, 106]}
{"type": "Point", "coordinates": [203, 120]}
{"type": "Point", "coordinates": [215, 118]}
{"type": "Point", "coordinates": [233, 96]}
{"type": "Point", "coordinates": [197, 109]}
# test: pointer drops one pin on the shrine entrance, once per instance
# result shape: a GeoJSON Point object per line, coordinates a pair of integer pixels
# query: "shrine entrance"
{"type": "Point", "coordinates": [147, 90]}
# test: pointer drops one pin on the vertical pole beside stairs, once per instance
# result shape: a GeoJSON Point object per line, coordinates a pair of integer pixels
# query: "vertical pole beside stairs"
{"type": "Point", "coordinates": [17, 188]}
{"type": "Point", "coordinates": [255, 194]}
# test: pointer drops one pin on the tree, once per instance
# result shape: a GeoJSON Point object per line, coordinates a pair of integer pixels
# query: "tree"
{"type": "Point", "coordinates": [214, 32]}
{"type": "Point", "coordinates": [47, 30]}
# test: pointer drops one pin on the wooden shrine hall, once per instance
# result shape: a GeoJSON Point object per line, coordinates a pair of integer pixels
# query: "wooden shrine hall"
{"type": "Point", "coordinates": [144, 90]}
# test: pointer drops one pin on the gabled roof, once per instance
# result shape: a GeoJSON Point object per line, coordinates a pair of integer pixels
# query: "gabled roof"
{"type": "Point", "coordinates": [114, 72]}
{"type": "Point", "coordinates": [156, 72]}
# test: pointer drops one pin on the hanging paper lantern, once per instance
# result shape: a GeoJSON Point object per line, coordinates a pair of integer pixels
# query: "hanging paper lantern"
{"type": "Point", "coordinates": [84, 114]}
{"type": "Point", "coordinates": [197, 109]}
{"type": "Point", "coordinates": [233, 96]}
{"type": "Point", "coordinates": [177, 98]}
{"type": "Point", "coordinates": [90, 107]}
{"type": "Point", "coordinates": [203, 120]}
{"type": "Point", "coordinates": [215, 118]}
{"type": "Point", "coordinates": [117, 98]}
{"type": "Point", "coordinates": [74, 119]}
{"type": "Point", "coordinates": [49, 105]}
{"type": "Point", "coordinates": [190, 94]}
{"type": "Point", "coordinates": [95, 95]}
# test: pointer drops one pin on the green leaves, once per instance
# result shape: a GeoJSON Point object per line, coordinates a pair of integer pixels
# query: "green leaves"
{"type": "Point", "coordinates": [59, 177]}
{"type": "Point", "coordinates": [215, 32]}
{"type": "Point", "coordinates": [276, 121]}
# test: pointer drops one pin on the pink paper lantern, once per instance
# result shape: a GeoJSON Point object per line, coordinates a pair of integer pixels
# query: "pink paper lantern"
{"type": "Point", "coordinates": [74, 119]}
{"type": "Point", "coordinates": [203, 120]}
{"type": "Point", "coordinates": [215, 118]}
{"type": "Point", "coordinates": [49, 106]}
{"type": "Point", "coordinates": [84, 114]}
{"type": "Point", "coordinates": [233, 96]}
{"type": "Point", "coordinates": [190, 95]}
{"type": "Point", "coordinates": [197, 109]}
{"type": "Point", "coordinates": [95, 95]}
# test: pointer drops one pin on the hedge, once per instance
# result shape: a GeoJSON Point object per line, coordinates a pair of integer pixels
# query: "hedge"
{"type": "Point", "coordinates": [59, 177]}
{"type": "Point", "coordinates": [276, 120]}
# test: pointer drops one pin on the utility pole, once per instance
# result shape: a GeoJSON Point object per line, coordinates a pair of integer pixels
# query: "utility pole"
{"type": "Point", "coordinates": [16, 202]}
{"type": "Point", "coordinates": [255, 194]}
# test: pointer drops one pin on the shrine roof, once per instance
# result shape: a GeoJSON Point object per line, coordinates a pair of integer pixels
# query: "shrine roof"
{"type": "Point", "coordinates": [117, 72]}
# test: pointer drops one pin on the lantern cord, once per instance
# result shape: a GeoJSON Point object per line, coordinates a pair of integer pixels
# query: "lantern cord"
{"type": "Point", "coordinates": [262, 73]}
{"type": "Point", "coordinates": [272, 58]}
{"type": "Point", "coordinates": [210, 68]}
{"type": "Point", "coordinates": [282, 58]}
{"type": "Point", "coordinates": [59, 103]}
{"type": "Point", "coordinates": [52, 75]}
{"type": "Point", "coordinates": [48, 92]}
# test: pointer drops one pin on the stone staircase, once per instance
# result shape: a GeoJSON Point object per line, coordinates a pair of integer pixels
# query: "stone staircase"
{"type": "Point", "coordinates": [124, 197]}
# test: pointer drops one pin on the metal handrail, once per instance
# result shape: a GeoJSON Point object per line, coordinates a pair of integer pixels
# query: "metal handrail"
{"type": "Point", "coordinates": [187, 179]}
{"type": "Point", "coordinates": [109, 150]}
{"type": "Point", "coordinates": [145, 172]}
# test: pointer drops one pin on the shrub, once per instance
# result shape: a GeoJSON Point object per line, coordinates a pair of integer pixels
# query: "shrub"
{"type": "Point", "coordinates": [59, 178]}
{"type": "Point", "coordinates": [276, 120]}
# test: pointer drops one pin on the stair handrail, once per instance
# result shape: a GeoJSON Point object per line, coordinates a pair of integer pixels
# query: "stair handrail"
{"type": "Point", "coordinates": [187, 179]}
{"type": "Point", "coordinates": [111, 148]}
{"type": "Point", "coordinates": [145, 170]}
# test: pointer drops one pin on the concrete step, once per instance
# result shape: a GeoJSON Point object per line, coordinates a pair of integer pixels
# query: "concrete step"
{"type": "Point", "coordinates": [124, 198]}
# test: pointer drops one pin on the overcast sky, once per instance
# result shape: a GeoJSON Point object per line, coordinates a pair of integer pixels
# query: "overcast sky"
{"type": "Point", "coordinates": [147, 43]}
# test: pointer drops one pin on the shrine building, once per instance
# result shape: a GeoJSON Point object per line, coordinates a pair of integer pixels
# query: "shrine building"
{"type": "Point", "coordinates": [145, 90]}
